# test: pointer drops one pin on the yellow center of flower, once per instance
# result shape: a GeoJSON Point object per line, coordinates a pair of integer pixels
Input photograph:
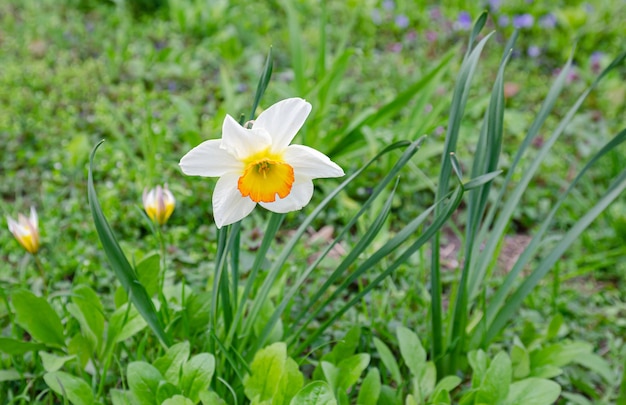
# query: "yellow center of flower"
{"type": "Point", "coordinates": [29, 242]}
{"type": "Point", "coordinates": [265, 176]}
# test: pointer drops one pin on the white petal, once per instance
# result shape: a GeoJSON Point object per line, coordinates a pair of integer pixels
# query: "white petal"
{"type": "Point", "coordinates": [300, 195]}
{"type": "Point", "coordinates": [228, 204]}
{"type": "Point", "coordinates": [283, 120]}
{"type": "Point", "coordinates": [311, 163]}
{"type": "Point", "coordinates": [34, 220]}
{"type": "Point", "coordinates": [209, 160]}
{"type": "Point", "coordinates": [241, 142]}
{"type": "Point", "coordinates": [14, 227]}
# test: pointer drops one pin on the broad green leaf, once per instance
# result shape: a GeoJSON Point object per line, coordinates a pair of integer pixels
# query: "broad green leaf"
{"type": "Point", "coordinates": [388, 396]}
{"type": "Point", "coordinates": [370, 388]}
{"type": "Point", "coordinates": [80, 347]}
{"type": "Point", "coordinates": [560, 354]}
{"type": "Point", "coordinates": [536, 391]}
{"type": "Point", "coordinates": [411, 349]}
{"type": "Point", "coordinates": [10, 375]}
{"type": "Point", "coordinates": [121, 397]}
{"type": "Point", "coordinates": [148, 273]}
{"type": "Point", "coordinates": [90, 314]}
{"type": "Point", "coordinates": [143, 381]}
{"type": "Point", "coordinates": [178, 400]}
{"type": "Point", "coordinates": [18, 347]}
{"type": "Point", "coordinates": [75, 389]}
{"type": "Point", "coordinates": [197, 374]}
{"type": "Point", "coordinates": [52, 362]}
{"type": "Point", "coordinates": [428, 379]}
{"type": "Point", "coordinates": [119, 263]}
{"type": "Point", "coordinates": [350, 370]}
{"type": "Point", "coordinates": [315, 393]}
{"type": "Point", "coordinates": [446, 384]}
{"type": "Point", "coordinates": [165, 391]}
{"type": "Point", "coordinates": [331, 374]}
{"type": "Point", "coordinates": [211, 398]}
{"type": "Point", "coordinates": [125, 323]}
{"type": "Point", "coordinates": [290, 383]}
{"type": "Point", "coordinates": [495, 385]}
{"type": "Point", "coordinates": [548, 371]}
{"type": "Point", "coordinates": [520, 360]}
{"type": "Point", "coordinates": [478, 361]}
{"type": "Point", "coordinates": [37, 317]}
{"type": "Point", "coordinates": [388, 360]}
{"type": "Point", "coordinates": [267, 309]}
{"type": "Point", "coordinates": [343, 349]}
{"type": "Point", "coordinates": [410, 400]}
{"type": "Point", "coordinates": [170, 365]}
{"type": "Point", "coordinates": [266, 369]}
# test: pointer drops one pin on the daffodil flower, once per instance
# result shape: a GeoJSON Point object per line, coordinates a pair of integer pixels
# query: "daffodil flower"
{"type": "Point", "coordinates": [159, 203]}
{"type": "Point", "coordinates": [26, 230]}
{"type": "Point", "coordinates": [258, 165]}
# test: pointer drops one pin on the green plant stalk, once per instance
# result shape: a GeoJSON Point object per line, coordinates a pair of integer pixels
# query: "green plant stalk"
{"type": "Point", "coordinates": [459, 99]}
{"type": "Point", "coordinates": [162, 274]}
{"type": "Point", "coordinates": [513, 302]}
{"type": "Point", "coordinates": [438, 222]}
{"type": "Point", "coordinates": [119, 263]}
{"type": "Point", "coordinates": [498, 299]}
{"type": "Point", "coordinates": [412, 149]}
{"type": "Point", "coordinates": [486, 160]}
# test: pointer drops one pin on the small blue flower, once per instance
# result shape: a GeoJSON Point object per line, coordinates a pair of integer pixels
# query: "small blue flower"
{"type": "Point", "coordinates": [389, 5]}
{"type": "Point", "coordinates": [523, 21]}
{"type": "Point", "coordinates": [464, 21]}
{"type": "Point", "coordinates": [548, 21]}
{"type": "Point", "coordinates": [533, 51]}
{"type": "Point", "coordinates": [494, 5]}
{"type": "Point", "coordinates": [503, 20]}
{"type": "Point", "coordinates": [402, 21]}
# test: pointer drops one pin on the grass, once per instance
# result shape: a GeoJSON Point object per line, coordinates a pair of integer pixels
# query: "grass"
{"type": "Point", "coordinates": [155, 85]}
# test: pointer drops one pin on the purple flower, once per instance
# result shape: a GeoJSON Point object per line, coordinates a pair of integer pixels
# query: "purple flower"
{"type": "Point", "coordinates": [435, 13]}
{"type": "Point", "coordinates": [376, 17]}
{"type": "Point", "coordinates": [396, 47]}
{"type": "Point", "coordinates": [464, 21]}
{"type": "Point", "coordinates": [503, 20]}
{"type": "Point", "coordinates": [389, 5]}
{"type": "Point", "coordinates": [494, 5]}
{"type": "Point", "coordinates": [596, 61]}
{"type": "Point", "coordinates": [523, 21]}
{"type": "Point", "coordinates": [402, 21]}
{"type": "Point", "coordinates": [431, 36]}
{"type": "Point", "coordinates": [548, 21]}
{"type": "Point", "coordinates": [533, 51]}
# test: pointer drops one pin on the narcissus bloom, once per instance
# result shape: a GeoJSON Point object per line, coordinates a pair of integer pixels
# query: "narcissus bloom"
{"type": "Point", "coordinates": [258, 165]}
{"type": "Point", "coordinates": [26, 230]}
{"type": "Point", "coordinates": [159, 203]}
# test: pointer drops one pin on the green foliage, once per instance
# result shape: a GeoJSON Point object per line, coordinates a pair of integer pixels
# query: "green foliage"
{"type": "Point", "coordinates": [336, 282]}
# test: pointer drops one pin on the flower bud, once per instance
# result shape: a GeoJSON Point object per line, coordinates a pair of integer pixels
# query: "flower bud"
{"type": "Point", "coordinates": [26, 230]}
{"type": "Point", "coordinates": [159, 204]}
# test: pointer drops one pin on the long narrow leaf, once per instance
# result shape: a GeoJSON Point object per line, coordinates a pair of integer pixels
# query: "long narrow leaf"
{"type": "Point", "coordinates": [513, 303]}
{"type": "Point", "coordinates": [459, 100]}
{"type": "Point", "coordinates": [120, 265]}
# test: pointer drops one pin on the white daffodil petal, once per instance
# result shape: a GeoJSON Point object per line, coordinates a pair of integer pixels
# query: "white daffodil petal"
{"type": "Point", "coordinates": [34, 219]}
{"type": "Point", "coordinates": [228, 204]}
{"type": "Point", "coordinates": [300, 195]}
{"type": "Point", "coordinates": [311, 163]}
{"type": "Point", "coordinates": [283, 120]}
{"type": "Point", "coordinates": [209, 160]}
{"type": "Point", "coordinates": [241, 142]}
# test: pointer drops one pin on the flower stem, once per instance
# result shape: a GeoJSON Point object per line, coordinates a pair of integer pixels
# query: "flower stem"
{"type": "Point", "coordinates": [39, 267]}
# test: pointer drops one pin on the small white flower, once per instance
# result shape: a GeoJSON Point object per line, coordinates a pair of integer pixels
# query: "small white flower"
{"type": "Point", "coordinates": [26, 230]}
{"type": "Point", "coordinates": [258, 165]}
{"type": "Point", "coordinates": [159, 203]}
